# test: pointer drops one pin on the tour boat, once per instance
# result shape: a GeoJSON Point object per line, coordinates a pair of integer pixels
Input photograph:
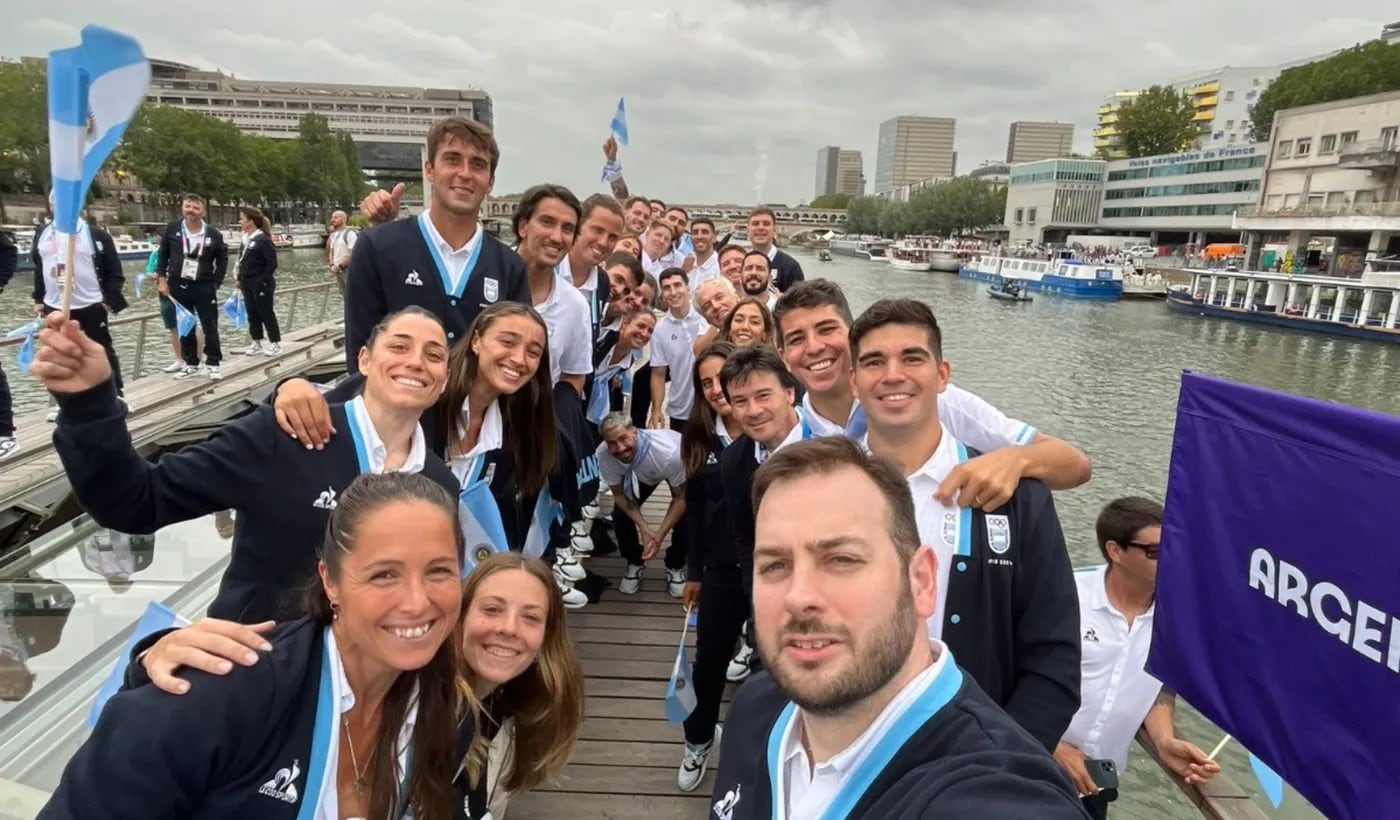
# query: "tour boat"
{"type": "Point", "coordinates": [1062, 276]}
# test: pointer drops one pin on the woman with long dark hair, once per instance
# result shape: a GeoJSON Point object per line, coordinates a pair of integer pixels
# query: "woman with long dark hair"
{"type": "Point", "coordinates": [257, 264]}
{"type": "Point", "coordinates": [283, 493]}
{"type": "Point", "coordinates": [494, 424]}
{"type": "Point", "coordinates": [714, 582]}
{"type": "Point", "coordinates": [353, 712]}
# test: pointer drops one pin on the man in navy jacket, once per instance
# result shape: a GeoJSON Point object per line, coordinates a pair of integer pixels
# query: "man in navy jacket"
{"type": "Point", "coordinates": [1008, 606]}
{"type": "Point", "coordinates": [441, 260]}
{"type": "Point", "coordinates": [860, 715]}
{"type": "Point", "coordinates": [190, 267]}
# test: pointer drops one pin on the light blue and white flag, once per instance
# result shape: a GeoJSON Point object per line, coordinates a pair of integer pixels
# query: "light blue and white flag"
{"type": "Point", "coordinates": [547, 513]}
{"type": "Point", "coordinates": [680, 692]}
{"type": "Point", "coordinates": [685, 245]}
{"type": "Point", "coordinates": [156, 617]}
{"type": "Point", "coordinates": [94, 91]}
{"type": "Point", "coordinates": [1270, 781]}
{"type": "Point", "coordinates": [185, 322]}
{"type": "Point", "coordinates": [236, 310]}
{"type": "Point", "coordinates": [29, 331]}
{"type": "Point", "coordinates": [619, 122]}
{"type": "Point", "coordinates": [481, 523]}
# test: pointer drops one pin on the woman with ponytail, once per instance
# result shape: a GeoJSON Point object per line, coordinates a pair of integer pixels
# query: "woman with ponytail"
{"type": "Point", "coordinates": [257, 264]}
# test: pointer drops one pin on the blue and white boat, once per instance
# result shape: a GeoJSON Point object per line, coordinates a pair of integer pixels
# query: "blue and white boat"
{"type": "Point", "coordinates": [1066, 277]}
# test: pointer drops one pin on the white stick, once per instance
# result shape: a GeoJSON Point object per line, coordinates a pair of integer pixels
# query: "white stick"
{"type": "Point", "coordinates": [1221, 745]}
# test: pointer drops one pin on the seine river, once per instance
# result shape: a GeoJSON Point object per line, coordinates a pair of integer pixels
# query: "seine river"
{"type": "Point", "coordinates": [1104, 376]}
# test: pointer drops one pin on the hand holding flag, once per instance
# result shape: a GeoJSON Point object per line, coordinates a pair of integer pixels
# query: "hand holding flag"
{"type": "Point", "coordinates": [94, 91]}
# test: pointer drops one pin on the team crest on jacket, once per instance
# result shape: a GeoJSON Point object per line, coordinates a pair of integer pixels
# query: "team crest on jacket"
{"type": "Point", "coordinates": [724, 807]}
{"type": "Point", "coordinates": [491, 289]}
{"type": "Point", "coordinates": [999, 533]}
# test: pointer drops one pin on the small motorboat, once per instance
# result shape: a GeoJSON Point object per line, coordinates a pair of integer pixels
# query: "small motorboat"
{"type": "Point", "coordinates": [824, 255]}
{"type": "Point", "coordinates": [1009, 292]}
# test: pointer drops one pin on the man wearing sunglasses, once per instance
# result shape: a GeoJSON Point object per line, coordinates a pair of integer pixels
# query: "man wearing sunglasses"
{"type": "Point", "coordinates": [1116, 602]}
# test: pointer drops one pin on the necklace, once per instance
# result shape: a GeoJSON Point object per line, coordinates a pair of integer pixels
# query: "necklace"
{"type": "Point", "coordinates": [355, 764]}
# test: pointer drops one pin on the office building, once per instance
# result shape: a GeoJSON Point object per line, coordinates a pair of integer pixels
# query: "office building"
{"type": "Point", "coordinates": [388, 123]}
{"type": "Point", "coordinates": [839, 171]}
{"type": "Point", "coordinates": [1033, 141]}
{"type": "Point", "coordinates": [1184, 198]}
{"type": "Point", "coordinates": [1048, 200]}
{"type": "Point", "coordinates": [1334, 172]}
{"type": "Point", "coordinates": [913, 148]}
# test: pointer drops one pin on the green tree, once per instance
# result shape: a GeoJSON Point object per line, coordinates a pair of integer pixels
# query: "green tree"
{"type": "Point", "coordinates": [24, 131]}
{"type": "Point", "coordinates": [863, 214]}
{"type": "Point", "coordinates": [1369, 68]}
{"type": "Point", "coordinates": [834, 201]}
{"type": "Point", "coordinates": [1157, 121]}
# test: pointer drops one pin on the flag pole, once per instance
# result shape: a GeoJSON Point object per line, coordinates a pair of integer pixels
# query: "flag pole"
{"type": "Point", "coordinates": [1218, 747]}
{"type": "Point", "coordinates": [68, 274]}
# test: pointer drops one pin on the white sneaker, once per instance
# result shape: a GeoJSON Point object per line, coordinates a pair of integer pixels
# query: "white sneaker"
{"type": "Point", "coordinates": [214, 374]}
{"type": "Point", "coordinates": [567, 565]}
{"type": "Point", "coordinates": [9, 445]}
{"type": "Point", "coordinates": [252, 349]}
{"type": "Point", "coordinates": [675, 582]}
{"type": "Point", "coordinates": [739, 667]}
{"type": "Point", "coordinates": [694, 763]}
{"type": "Point", "coordinates": [187, 371]}
{"type": "Point", "coordinates": [273, 349]}
{"type": "Point", "coordinates": [632, 581]}
{"type": "Point", "coordinates": [174, 367]}
{"type": "Point", "coordinates": [592, 512]}
{"type": "Point", "coordinates": [580, 542]}
{"type": "Point", "coordinates": [573, 599]}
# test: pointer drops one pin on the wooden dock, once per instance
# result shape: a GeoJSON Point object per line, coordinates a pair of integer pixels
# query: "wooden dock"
{"type": "Point", "coordinates": [162, 410]}
{"type": "Point", "coordinates": [628, 755]}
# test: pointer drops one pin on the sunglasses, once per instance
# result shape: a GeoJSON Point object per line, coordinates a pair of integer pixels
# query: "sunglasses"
{"type": "Point", "coordinates": [1149, 550]}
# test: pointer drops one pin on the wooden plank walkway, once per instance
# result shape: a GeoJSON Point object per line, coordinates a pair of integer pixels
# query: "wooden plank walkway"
{"type": "Point", "coordinates": [626, 760]}
{"type": "Point", "coordinates": [160, 405]}
{"type": "Point", "coordinates": [627, 756]}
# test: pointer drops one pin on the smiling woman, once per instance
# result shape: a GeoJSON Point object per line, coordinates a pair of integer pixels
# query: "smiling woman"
{"type": "Point", "coordinates": [282, 492]}
{"type": "Point", "coordinates": [358, 699]}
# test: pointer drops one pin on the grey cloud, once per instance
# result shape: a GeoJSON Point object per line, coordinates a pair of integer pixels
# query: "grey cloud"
{"type": "Point", "coordinates": [714, 88]}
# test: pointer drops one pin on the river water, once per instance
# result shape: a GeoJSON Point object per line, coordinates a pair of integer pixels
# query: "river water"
{"type": "Point", "coordinates": [1103, 376]}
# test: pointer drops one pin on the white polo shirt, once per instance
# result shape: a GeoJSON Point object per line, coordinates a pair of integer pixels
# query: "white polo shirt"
{"type": "Point", "coordinates": [703, 271]}
{"type": "Point", "coordinates": [670, 259]}
{"type": "Point", "coordinates": [971, 419]}
{"type": "Point", "coordinates": [661, 462]}
{"type": "Point", "coordinates": [566, 317]}
{"type": "Point", "coordinates": [1115, 690]}
{"type": "Point", "coordinates": [808, 790]}
{"type": "Point", "coordinates": [375, 450]}
{"type": "Point", "coordinates": [672, 347]}
{"type": "Point", "coordinates": [940, 525]}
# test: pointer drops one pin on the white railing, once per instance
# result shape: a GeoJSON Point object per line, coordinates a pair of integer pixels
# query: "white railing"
{"type": "Point", "coordinates": [1362, 209]}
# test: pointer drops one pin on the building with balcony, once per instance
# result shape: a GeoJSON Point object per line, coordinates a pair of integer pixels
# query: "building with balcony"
{"type": "Point", "coordinates": [1184, 198]}
{"type": "Point", "coordinates": [1221, 101]}
{"type": "Point", "coordinates": [912, 149]}
{"type": "Point", "coordinates": [1331, 187]}
{"type": "Point", "coordinates": [1047, 201]}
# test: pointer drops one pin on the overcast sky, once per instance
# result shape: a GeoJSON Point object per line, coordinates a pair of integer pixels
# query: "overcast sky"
{"type": "Point", "coordinates": [728, 100]}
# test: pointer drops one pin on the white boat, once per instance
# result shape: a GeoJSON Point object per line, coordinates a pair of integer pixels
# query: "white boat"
{"type": "Point", "coordinates": [130, 248]}
{"type": "Point", "coordinates": [1062, 276]}
{"type": "Point", "coordinates": [870, 248]}
{"type": "Point", "coordinates": [308, 236]}
{"type": "Point", "coordinates": [1146, 285]}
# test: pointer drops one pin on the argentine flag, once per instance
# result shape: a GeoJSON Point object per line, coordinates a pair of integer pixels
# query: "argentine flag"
{"type": "Point", "coordinates": [94, 91]}
{"type": "Point", "coordinates": [481, 523]}
{"type": "Point", "coordinates": [680, 691]}
{"type": "Point", "coordinates": [619, 121]}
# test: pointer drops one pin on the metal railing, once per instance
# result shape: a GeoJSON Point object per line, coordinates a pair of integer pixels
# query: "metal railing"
{"type": "Point", "coordinates": [287, 300]}
{"type": "Point", "coordinates": [1362, 209]}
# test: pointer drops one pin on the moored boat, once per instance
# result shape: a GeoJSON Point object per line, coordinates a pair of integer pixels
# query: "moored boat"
{"type": "Point", "coordinates": [1009, 291]}
{"type": "Point", "coordinates": [1063, 276]}
{"type": "Point", "coordinates": [868, 248]}
{"type": "Point", "coordinates": [1366, 308]}
{"type": "Point", "coordinates": [824, 255]}
{"type": "Point", "coordinates": [1146, 285]}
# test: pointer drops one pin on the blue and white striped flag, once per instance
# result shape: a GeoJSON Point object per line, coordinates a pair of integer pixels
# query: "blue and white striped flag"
{"type": "Point", "coordinates": [185, 321]}
{"type": "Point", "coordinates": [156, 617]}
{"type": "Point", "coordinates": [94, 91]}
{"type": "Point", "coordinates": [548, 512]}
{"type": "Point", "coordinates": [236, 310]}
{"type": "Point", "coordinates": [680, 692]}
{"type": "Point", "coordinates": [619, 122]}
{"type": "Point", "coordinates": [29, 331]}
{"type": "Point", "coordinates": [481, 523]}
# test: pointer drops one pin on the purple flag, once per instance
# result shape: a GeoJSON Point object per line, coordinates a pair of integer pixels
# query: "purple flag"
{"type": "Point", "coordinates": [1278, 589]}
